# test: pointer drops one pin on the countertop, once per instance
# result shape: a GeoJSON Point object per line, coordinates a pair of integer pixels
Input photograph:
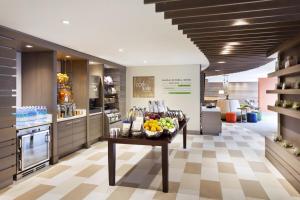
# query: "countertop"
{"type": "Point", "coordinates": [70, 118]}
{"type": "Point", "coordinates": [96, 113]}
{"type": "Point", "coordinates": [33, 125]}
{"type": "Point", "coordinates": [216, 109]}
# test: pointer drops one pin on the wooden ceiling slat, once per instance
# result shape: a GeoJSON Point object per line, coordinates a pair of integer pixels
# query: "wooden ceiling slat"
{"type": "Point", "coordinates": [188, 4]}
{"type": "Point", "coordinates": [229, 39]}
{"type": "Point", "coordinates": [250, 35]}
{"type": "Point", "coordinates": [261, 6]}
{"type": "Point", "coordinates": [247, 15]}
{"type": "Point", "coordinates": [157, 1]}
{"type": "Point", "coordinates": [248, 32]}
{"type": "Point", "coordinates": [209, 24]}
{"type": "Point", "coordinates": [250, 27]}
{"type": "Point", "coordinates": [288, 17]}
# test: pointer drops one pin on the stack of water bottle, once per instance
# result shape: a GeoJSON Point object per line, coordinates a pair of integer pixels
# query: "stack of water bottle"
{"type": "Point", "coordinates": [31, 115]}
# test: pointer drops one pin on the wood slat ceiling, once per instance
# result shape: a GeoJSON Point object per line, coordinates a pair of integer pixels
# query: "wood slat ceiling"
{"type": "Point", "coordinates": [212, 26]}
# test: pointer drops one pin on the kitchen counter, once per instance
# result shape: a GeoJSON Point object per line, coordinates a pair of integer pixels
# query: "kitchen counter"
{"type": "Point", "coordinates": [70, 118]}
{"type": "Point", "coordinates": [96, 113]}
{"type": "Point", "coordinates": [33, 125]}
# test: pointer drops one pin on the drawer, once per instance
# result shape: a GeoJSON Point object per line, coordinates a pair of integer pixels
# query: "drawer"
{"type": "Point", "coordinates": [8, 149]}
{"type": "Point", "coordinates": [78, 144]}
{"type": "Point", "coordinates": [79, 137]}
{"type": "Point", "coordinates": [7, 134]}
{"type": "Point", "coordinates": [62, 133]}
{"type": "Point", "coordinates": [7, 52]}
{"type": "Point", "coordinates": [79, 122]}
{"type": "Point", "coordinates": [7, 42]}
{"type": "Point", "coordinates": [65, 149]}
{"type": "Point", "coordinates": [7, 101]}
{"type": "Point", "coordinates": [65, 124]}
{"type": "Point", "coordinates": [7, 62]}
{"type": "Point", "coordinates": [7, 162]}
{"type": "Point", "coordinates": [65, 141]}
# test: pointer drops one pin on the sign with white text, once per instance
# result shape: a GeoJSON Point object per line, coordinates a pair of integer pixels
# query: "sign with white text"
{"type": "Point", "coordinates": [143, 87]}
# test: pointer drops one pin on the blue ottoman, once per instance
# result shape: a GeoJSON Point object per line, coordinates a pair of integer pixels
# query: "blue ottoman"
{"type": "Point", "coordinates": [259, 115]}
{"type": "Point", "coordinates": [252, 117]}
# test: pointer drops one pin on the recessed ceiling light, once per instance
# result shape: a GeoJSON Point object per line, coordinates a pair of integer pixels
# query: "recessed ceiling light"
{"type": "Point", "coordinates": [66, 22]}
{"type": "Point", "coordinates": [28, 46]}
{"type": "Point", "coordinates": [225, 52]}
{"type": "Point", "coordinates": [68, 56]}
{"type": "Point", "coordinates": [120, 50]}
{"type": "Point", "coordinates": [145, 61]}
{"type": "Point", "coordinates": [221, 62]}
{"type": "Point", "coordinates": [217, 70]}
{"type": "Point", "coordinates": [233, 43]}
{"type": "Point", "coordinates": [240, 22]}
{"type": "Point", "coordinates": [228, 47]}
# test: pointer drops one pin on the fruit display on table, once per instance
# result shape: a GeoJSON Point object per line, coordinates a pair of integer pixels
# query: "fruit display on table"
{"type": "Point", "coordinates": [167, 124]}
{"type": "Point", "coordinates": [152, 128]}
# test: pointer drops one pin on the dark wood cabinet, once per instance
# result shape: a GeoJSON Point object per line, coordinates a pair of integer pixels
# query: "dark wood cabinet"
{"type": "Point", "coordinates": [71, 135]}
{"type": "Point", "coordinates": [96, 127]}
{"type": "Point", "coordinates": [7, 110]}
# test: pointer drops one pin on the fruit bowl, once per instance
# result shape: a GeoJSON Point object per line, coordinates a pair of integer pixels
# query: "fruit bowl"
{"type": "Point", "coordinates": [151, 134]}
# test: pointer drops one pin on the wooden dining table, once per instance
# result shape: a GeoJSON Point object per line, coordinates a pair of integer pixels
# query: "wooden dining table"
{"type": "Point", "coordinates": [162, 141]}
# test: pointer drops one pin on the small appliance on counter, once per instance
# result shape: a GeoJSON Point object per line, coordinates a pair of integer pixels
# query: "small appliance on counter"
{"type": "Point", "coordinates": [33, 150]}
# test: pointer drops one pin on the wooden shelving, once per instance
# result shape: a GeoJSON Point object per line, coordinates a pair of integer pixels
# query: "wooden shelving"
{"type": "Point", "coordinates": [285, 111]}
{"type": "Point", "coordinates": [287, 91]}
{"type": "Point", "coordinates": [286, 72]}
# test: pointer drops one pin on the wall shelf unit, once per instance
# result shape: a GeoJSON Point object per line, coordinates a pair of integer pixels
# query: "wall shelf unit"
{"type": "Point", "coordinates": [293, 70]}
{"type": "Point", "coordinates": [288, 119]}
{"type": "Point", "coordinates": [286, 91]}
{"type": "Point", "coordinates": [285, 111]}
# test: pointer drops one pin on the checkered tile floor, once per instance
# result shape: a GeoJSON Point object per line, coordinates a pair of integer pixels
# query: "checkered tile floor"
{"type": "Point", "coordinates": [230, 166]}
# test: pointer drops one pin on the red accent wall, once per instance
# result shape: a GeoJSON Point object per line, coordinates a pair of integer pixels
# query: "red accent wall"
{"type": "Point", "coordinates": [266, 99]}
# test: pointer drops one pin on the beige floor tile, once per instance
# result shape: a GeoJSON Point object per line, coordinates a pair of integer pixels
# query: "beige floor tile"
{"type": "Point", "coordinates": [54, 171]}
{"type": "Point", "coordinates": [125, 168]}
{"type": "Point", "coordinates": [208, 137]}
{"type": "Point", "coordinates": [80, 192]}
{"type": "Point", "coordinates": [126, 156]}
{"type": "Point", "coordinates": [123, 193]}
{"type": "Point", "coordinates": [220, 144]}
{"type": "Point", "coordinates": [228, 137]}
{"type": "Point", "coordinates": [253, 189]}
{"type": "Point", "coordinates": [89, 171]}
{"type": "Point", "coordinates": [192, 168]}
{"type": "Point", "coordinates": [259, 167]}
{"type": "Point", "coordinates": [242, 144]}
{"type": "Point", "coordinates": [35, 193]}
{"type": "Point", "coordinates": [229, 181]}
{"type": "Point", "coordinates": [208, 154]}
{"type": "Point", "coordinates": [97, 156]}
{"type": "Point", "coordinates": [210, 189]}
{"type": "Point", "coordinates": [226, 167]}
{"type": "Point", "coordinates": [235, 153]}
{"type": "Point", "coordinates": [153, 155]}
{"type": "Point", "coordinates": [197, 145]}
{"type": "Point", "coordinates": [181, 154]}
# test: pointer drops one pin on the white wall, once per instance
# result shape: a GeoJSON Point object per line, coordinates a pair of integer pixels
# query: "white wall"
{"type": "Point", "coordinates": [188, 103]}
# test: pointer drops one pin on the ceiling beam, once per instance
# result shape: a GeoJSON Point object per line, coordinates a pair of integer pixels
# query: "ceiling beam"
{"type": "Point", "coordinates": [247, 15]}
{"type": "Point", "coordinates": [247, 8]}
{"type": "Point", "coordinates": [248, 32]}
{"type": "Point", "coordinates": [189, 4]}
{"type": "Point", "coordinates": [250, 27]}
{"type": "Point", "coordinates": [243, 39]}
{"type": "Point", "coordinates": [288, 17]}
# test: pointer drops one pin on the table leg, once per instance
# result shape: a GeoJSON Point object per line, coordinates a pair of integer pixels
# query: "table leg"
{"type": "Point", "coordinates": [111, 163]}
{"type": "Point", "coordinates": [184, 136]}
{"type": "Point", "coordinates": [165, 167]}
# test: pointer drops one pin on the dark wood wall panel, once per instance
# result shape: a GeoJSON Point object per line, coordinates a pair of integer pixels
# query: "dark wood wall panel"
{"type": "Point", "coordinates": [37, 78]}
{"type": "Point", "coordinates": [7, 109]}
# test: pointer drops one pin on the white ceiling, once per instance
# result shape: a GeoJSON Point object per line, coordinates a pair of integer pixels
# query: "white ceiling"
{"type": "Point", "coordinates": [101, 27]}
{"type": "Point", "coordinates": [251, 75]}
